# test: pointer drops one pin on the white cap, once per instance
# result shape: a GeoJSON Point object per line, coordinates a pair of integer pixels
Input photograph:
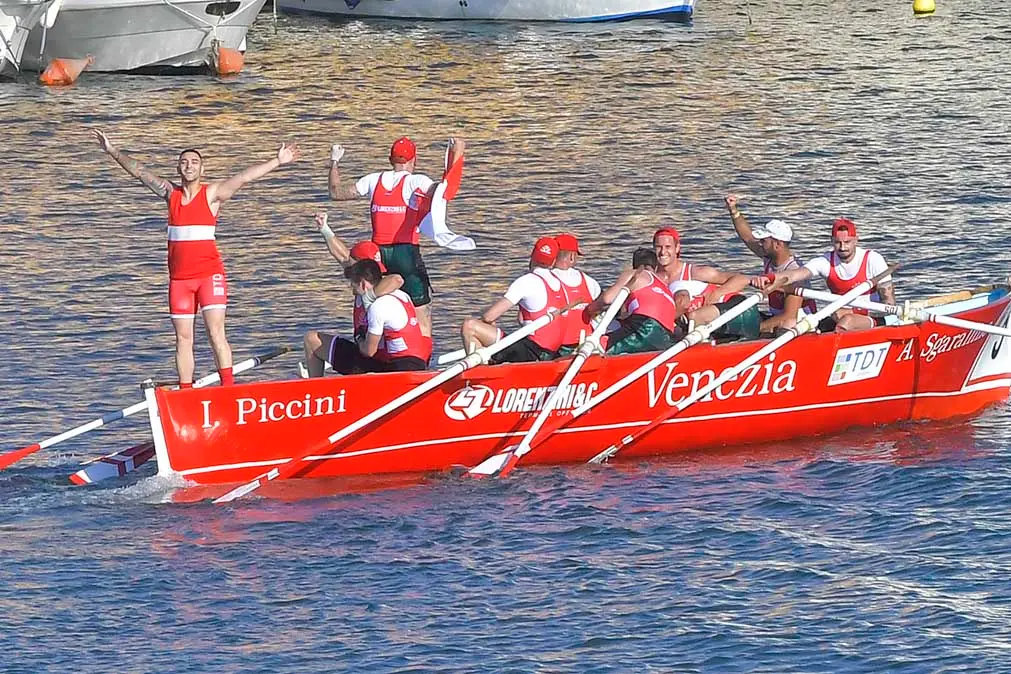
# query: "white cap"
{"type": "Point", "coordinates": [777, 229]}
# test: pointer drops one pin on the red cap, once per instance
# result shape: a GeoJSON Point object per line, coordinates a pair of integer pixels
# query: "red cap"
{"type": "Point", "coordinates": [844, 225]}
{"type": "Point", "coordinates": [666, 231]}
{"type": "Point", "coordinates": [545, 251]}
{"type": "Point", "coordinates": [568, 242]}
{"type": "Point", "coordinates": [403, 150]}
{"type": "Point", "coordinates": [368, 250]}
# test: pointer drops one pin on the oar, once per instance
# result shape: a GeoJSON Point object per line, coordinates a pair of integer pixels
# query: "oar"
{"type": "Point", "coordinates": [450, 357]}
{"type": "Point", "coordinates": [478, 357]}
{"type": "Point", "coordinates": [18, 454]}
{"type": "Point", "coordinates": [913, 313]}
{"type": "Point", "coordinates": [696, 336]}
{"type": "Point", "coordinates": [805, 324]}
{"type": "Point", "coordinates": [503, 463]}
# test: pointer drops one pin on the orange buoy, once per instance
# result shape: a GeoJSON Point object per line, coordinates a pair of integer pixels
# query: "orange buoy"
{"type": "Point", "coordinates": [61, 72]}
{"type": "Point", "coordinates": [226, 61]}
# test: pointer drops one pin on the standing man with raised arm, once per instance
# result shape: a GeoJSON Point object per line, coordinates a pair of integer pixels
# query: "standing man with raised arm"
{"type": "Point", "coordinates": [196, 272]}
{"type": "Point", "coordinates": [399, 200]}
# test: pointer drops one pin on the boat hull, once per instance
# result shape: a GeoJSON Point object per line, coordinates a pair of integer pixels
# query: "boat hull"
{"type": "Point", "coordinates": [816, 384]}
{"type": "Point", "coordinates": [500, 10]}
{"type": "Point", "coordinates": [125, 35]}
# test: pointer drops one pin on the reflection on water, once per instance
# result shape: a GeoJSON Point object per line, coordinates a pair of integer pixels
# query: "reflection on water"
{"type": "Point", "coordinates": [808, 556]}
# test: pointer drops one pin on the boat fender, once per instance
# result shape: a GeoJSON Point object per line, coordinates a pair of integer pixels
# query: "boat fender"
{"type": "Point", "coordinates": [63, 72]}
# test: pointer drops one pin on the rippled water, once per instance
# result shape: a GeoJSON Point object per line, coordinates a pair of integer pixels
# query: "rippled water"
{"type": "Point", "coordinates": [884, 549]}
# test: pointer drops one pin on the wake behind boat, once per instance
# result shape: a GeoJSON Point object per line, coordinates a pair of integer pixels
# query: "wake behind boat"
{"type": "Point", "coordinates": [509, 10]}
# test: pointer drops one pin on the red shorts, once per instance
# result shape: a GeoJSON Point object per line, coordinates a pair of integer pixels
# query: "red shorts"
{"type": "Point", "coordinates": [187, 295]}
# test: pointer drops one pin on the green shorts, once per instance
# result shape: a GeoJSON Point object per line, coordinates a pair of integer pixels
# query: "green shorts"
{"type": "Point", "coordinates": [637, 334]}
{"type": "Point", "coordinates": [405, 259]}
{"type": "Point", "coordinates": [746, 325]}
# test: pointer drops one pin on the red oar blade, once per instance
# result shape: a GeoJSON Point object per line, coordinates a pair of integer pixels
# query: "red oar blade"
{"type": "Point", "coordinates": [15, 456]}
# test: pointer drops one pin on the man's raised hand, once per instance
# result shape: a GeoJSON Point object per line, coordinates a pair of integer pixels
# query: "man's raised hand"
{"type": "Point", "coordinates": [336, 153]}
{"type": "Point", "coordinates": [103, 141]}
{"type": "Point", "coordinates": [288, 153]}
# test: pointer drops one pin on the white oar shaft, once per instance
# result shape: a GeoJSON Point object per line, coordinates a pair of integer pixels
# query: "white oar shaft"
{"type": "Point", "coordinates": [10, 458]}
{"type": "Point", "coordinates": [914, 313]}
{"type": "Point", "coordinates": [696, 336]}
{"type": "Point", "coordinates": [481, 356]}
{"type": "Point", "coordinates": [805, 324]}
{"type": "Point", "coordinates": [501, 462]}
{"type": "Point", "coordinates": [584, 352]}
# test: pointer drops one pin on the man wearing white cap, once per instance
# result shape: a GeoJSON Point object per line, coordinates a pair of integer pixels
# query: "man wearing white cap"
{"type": "Point", "coordinates": [772, 244]}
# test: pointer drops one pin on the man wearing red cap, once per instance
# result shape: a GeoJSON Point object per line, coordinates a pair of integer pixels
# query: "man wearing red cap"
{"type": "Point", "coordinates": [399, 199]}
{"type": "Point", "coordinates": [846, 266]}
{"type": "Point", "coordinates": [771, 243]}
{"type": "Point", "coordinates": [318, 346]}
{"type": "Point", "coordinates": [393, 341]}
{"type": "Point", "coordinates": [703, 289]}
{"type": "Point", "coordinates": [578, 286]}
{"type": "Point", "coordinates": [536, 292]}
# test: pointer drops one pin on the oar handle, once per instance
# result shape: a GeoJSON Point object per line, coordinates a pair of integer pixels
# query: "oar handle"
{"type": "Point", "coordinates": [584, 352]}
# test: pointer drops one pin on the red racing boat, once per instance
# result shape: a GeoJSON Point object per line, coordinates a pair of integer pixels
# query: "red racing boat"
{"type": "Point", "coordinates": [815, 384]}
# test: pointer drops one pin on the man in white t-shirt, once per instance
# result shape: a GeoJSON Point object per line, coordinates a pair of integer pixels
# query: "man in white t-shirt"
{"type": "Point", "coordinates": [846, 266]}
{"type": "Point", "coordinates": [398, 201]}
{"type": "Point", "coordinates": [771, 243]}
{"type": "Point", "coordinates": [534, 294]}
{"type": "Point", "coordinates": [393, 339]}
{"type": "Point", "coordinates": [579, 287]}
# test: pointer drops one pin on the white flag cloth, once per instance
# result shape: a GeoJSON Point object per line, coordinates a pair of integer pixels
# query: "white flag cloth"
{"type": "Point", "coordinates": [433, 225]}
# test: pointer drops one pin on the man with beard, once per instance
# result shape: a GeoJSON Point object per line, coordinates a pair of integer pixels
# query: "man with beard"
{"type": "Point", "coordinates": [844, 267]}
{"type": "Point", "coordinates": [196, 272]}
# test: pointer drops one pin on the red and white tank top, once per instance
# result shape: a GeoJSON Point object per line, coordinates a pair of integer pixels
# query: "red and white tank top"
{"type": "Point", "coordinates": [407, 341]}
{"type": "Point", "coordinates": [192, 252]}
{"type": "Point", "coordinates": [655, 301]}
{"type": "Point", "coordinates": [840, 286]}
{"type": "Point", "coordinates": [551, 336]}
{"type": "Point", "coordinates": [777, 299]}
{"type": "Point", "coordinates": [696, 289]}
{"type": "Point", "coordinates": [393, 220]}
{"type": "Point", "coordinates": [574, 323]}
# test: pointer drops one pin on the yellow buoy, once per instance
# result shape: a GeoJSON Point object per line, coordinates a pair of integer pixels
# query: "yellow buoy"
{"type": "Point", "coordinates": [923, 6]}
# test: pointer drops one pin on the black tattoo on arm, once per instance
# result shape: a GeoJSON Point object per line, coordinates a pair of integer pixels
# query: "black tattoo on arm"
{"type": "Point", "coordinates": [156, 184]}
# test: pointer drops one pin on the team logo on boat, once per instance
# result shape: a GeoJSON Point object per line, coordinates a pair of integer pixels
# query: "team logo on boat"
{"type": "Point", "coordinates": [468, 402]}
{"type": "Point", "coordinates": [471, 401]}
{"type": "Point", "coordinates": [858, 363]}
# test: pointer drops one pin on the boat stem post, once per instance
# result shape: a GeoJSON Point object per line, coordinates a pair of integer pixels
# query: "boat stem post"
{"type": "Point", "coordinates": [157, 434]}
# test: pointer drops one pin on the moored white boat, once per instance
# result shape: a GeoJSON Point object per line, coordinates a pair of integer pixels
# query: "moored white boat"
{"type": "Point", "coordinates": [816, 384]}
{"type": "Point", "coordinates": [499, 10]}
{"type": "Point", "coordinates": [17, 18]}
{"type": "Point", "coordinates": [124, 35]}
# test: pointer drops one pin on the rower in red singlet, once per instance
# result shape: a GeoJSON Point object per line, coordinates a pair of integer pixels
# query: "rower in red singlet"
{"type": "Point", "coordinates": [393, 339]}
{"type": "Point", "coordinates": [399, 200]}
{"type": "Point", "coordinates": [534, 293]}
{"type": "Point", "coordinates": [196, 273]}
{"type": "Point", "coordinates": [772, 244]}
{"type": "Point", "coordinates": [578, 286]}
{"type": "Point", "coordinates": [318, 345]}
{"type": "Point", "coordinates": [649, 312]}
{"type": "Point", "coordinates": [702, 292]}
{"type": "Point", "coordinates": [844, 267]}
